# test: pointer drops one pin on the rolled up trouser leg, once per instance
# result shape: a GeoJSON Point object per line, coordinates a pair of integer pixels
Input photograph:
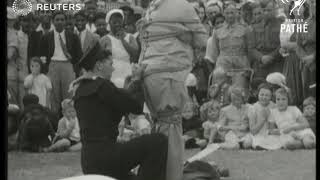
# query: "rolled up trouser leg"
{"type": "Point", "coordinates": [172, 127]}
{"type": "Point", "coordinates": [165, 98]}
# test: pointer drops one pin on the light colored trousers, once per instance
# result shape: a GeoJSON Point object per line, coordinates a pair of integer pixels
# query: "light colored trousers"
{"type": "Point", "coordinates": [61, 74]}
{"type": "Point", "coordinates": [165, 97]}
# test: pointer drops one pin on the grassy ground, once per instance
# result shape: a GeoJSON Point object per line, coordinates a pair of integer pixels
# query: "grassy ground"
{"type": "Point", "coordinates": [243, 165]}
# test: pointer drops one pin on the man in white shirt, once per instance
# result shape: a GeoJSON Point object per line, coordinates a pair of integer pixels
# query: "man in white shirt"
{"type": "Point", "coordinates": [91, 9]}
{"type": "Point", "coordinates": [61, 50]}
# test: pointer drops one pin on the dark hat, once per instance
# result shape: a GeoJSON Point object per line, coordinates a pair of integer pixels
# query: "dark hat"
{"type": "Point", "coordinates": [91, 56]}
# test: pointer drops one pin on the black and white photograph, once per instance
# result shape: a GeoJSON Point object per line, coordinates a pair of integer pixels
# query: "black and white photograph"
{"type": "Point", "coordinates": [161, 89]}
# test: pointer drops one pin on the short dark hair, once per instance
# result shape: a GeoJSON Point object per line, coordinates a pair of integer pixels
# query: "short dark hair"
{"type": "Point", "coordinates": [131, 20]}
{"type": "Point", "coordinates": [265, 86]}
{"type": "Point", "coordinates": [55, 13]}
{"type": "Point", "coordinates": [100, 15]}
{"type": "Point", "coordinates": [36, 59]}
{"type": "Point", "coordinates": [219, 15]}
{"type": "Point", "coordinates": [69, 16]}
{"type": "Point", "coordinates": [102, 55]}
{"type": "Point", "coordinates": [29, 99]}
{"type": "Point", "coordinates": [127, 8]}
{"type": "Point", "coordinates": [29, 17]}
{"type": "Point", "coordinates": [90, 2]}
{"type": "Point", "coordinates": [137, 17]}
{"type": "Point", "coordinates": [248, 6]}
{"type": "Point", "coordinates": [81, 13]}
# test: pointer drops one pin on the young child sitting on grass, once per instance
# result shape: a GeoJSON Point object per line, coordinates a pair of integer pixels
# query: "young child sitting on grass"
{"type": "Point", "coordinates": [258, 115]}
{"type": "Point", "coordinates": [211, 113]}
{"type": "Point", "coordinates": [233, 121]}
{"type": "Point", "coordinates": [35, 129]}
{"type": "Point", "coordinates": [291, 125]}
{"type": "Point", "coordinates": [68, 133]}
{"type": "Point", "coordinates": [309, 112]}
{"type": "Point", "coordinates": [191, 125]}
{"type": "Point", "coordinates": [190, 119]}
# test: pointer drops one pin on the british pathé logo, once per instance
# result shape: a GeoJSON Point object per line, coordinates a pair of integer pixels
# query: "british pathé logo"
{"type": "Point", "coordinates": [294, 25]}
{"type": "Point", "coordinates": [22, 7]}
{"type": "Point", "coordinates": [296, 6]}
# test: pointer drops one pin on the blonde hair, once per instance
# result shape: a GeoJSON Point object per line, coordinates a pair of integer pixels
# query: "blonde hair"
{"type": "Point", "coordinates": [204, 109]}
{"type": "Point", "coordinates": [67, 103]}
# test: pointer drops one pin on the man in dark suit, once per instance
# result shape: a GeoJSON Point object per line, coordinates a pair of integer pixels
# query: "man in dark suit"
{"type": "Point", "coordinates": [45, 25]}
{"type": "Point", "coordinates": [61, 51]}
{"type": "Point", "coordinates": [33, 45]}
{"type": "Point", "coordinates": [87, 38]}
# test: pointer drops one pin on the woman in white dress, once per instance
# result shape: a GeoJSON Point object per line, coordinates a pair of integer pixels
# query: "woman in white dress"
{"type": "Point", "coordinates": [122, 45]}
{"type": "Point", "coordinates": [258, 115]}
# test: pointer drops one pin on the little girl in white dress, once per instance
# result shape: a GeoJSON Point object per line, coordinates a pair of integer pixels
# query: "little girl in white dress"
{"type": "Point", "coordinates": [293, 128]}
{"type": "Point", "coordinates": [258, 115]}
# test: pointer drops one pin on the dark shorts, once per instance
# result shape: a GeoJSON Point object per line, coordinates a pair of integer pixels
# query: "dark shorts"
{"type": "Point", "coordinates": [72, 142]}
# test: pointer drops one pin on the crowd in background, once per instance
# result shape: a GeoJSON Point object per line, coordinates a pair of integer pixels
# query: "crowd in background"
{"type": "Point", "coordinates": [253, 86]}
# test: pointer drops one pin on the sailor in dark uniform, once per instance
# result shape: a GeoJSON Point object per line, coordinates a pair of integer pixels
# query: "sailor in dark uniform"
{"type": "Point", "coordinates": [100, 107]}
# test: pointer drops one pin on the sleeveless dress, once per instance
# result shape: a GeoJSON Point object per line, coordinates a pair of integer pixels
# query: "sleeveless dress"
{"type": "Point", "coordinates": [121, 61]}
{"type": "Point", "coordinates": [262, 138]}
